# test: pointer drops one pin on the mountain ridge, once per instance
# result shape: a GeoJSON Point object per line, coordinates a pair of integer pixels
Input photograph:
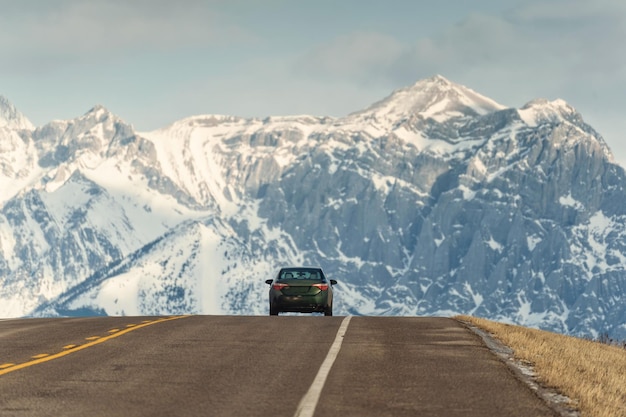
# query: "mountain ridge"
{"type": "Point", "coordinates": [512, 214]}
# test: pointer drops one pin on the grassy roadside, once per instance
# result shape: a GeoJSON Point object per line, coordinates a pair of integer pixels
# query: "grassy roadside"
{"type": "Point", "coordinates": [590, 373]}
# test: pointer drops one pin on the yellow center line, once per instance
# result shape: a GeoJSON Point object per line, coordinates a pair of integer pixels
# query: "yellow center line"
{"type": "Point", "coordinates": [6, 365]}
{"type": "Point", "coordinates": [41, 355]}
{"type": "Point", "coordinates": [11, 367]}
{"type": "Point", "coordinates": [114, 330]}
{"type": "Point", "coordinates": [92, 338]}
{"type": "Point", "coordinates": [69, 346]}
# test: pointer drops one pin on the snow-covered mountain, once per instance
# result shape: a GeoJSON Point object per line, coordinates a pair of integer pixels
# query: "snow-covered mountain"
{"type": "Point", "coordinates": [433, 201]}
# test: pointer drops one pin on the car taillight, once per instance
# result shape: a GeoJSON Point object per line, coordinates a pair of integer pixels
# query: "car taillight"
{"type": "Point", "coordinates": [279, 286]}
{"type": "Point", "coordinates": [322, 287]}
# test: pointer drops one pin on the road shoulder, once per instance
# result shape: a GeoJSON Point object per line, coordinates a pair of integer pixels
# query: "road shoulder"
{"type": "Point", "coordinates": [525, 372]}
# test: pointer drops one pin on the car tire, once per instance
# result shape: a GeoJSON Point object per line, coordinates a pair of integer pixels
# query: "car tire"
{"type": "Point", "coordinates": [273, 310]}
{"type": "Point", "coordinates": [328, 311]}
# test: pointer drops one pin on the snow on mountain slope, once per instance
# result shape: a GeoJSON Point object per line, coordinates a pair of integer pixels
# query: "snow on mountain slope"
{"type": "Point", "coordinates": [18, 166]}
{"type": "Point", "coordinates": [182, 273]}
{"type": "Point", "coordinates": [435, 200]}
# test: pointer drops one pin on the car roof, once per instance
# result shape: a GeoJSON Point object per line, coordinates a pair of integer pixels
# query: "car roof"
{"type": "Point", "coordinates": [287, 268]}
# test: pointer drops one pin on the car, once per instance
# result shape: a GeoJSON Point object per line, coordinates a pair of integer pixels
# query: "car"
{"type": "Point", "coordinates": [301, 290]}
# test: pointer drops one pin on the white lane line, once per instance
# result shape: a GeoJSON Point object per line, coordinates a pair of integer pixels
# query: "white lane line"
{"type": "Point", "coordinates": [307, 405]}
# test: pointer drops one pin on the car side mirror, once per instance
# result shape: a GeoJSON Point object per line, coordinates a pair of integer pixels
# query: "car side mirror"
{"type": "Point", "coordinates": [333, 282]}
{"type": "Point", "coordinates": [269, 281]}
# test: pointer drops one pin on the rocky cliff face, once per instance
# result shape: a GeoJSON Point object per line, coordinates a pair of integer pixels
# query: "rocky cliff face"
{"type": "Point", "coordinates": [435, 200]}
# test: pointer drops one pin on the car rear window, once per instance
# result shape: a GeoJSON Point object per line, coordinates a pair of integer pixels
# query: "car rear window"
{"type": "Point", "coordinates": [301, 273]}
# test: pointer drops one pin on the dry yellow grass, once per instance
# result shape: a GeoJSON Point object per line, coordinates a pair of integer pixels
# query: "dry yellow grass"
{"type": "Point", "coordinates": [591, 374]}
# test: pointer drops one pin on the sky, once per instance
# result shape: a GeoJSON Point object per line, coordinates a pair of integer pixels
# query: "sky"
{"type": "Point", "coordinates": [152, 62]}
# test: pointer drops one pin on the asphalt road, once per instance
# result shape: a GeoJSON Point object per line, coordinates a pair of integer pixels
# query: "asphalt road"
{"type": "Point", "coordinates": [253, 366]}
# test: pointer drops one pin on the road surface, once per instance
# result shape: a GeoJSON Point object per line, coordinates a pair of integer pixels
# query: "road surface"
{"type": "Point", "coordinates": [254, 366]}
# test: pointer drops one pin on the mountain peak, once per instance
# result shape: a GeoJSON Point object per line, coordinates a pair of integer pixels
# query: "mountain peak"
{"type": "Point", "coordinates": [545, 103]}
{"type": "Point", "coordinates": [435, 97]}
{"type": "Point", "coordinates": [98, 114]}
{"type": "Point", "coordinates": [98, 110]}
{"type": "Point", "coordinates": [11, 117]}
{"type": "Point", "coordinates": [435, 80]}
{"type": "Point", "coordinates": [542, 110]}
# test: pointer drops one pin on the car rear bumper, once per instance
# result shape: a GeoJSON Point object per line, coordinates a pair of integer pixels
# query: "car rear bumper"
{"type": "Point", "coordinates": [301, 304]}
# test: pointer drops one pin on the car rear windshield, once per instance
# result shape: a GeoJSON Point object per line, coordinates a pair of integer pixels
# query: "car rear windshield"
{"type": "Point", "coordinates": [301, 273]}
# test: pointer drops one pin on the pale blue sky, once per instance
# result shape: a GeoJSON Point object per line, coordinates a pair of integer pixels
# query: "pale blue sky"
{"type": "Point", "coordinates": [154, 62]}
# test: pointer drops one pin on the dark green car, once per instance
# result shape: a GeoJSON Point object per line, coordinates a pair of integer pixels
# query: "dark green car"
{"type": "Point", "coordinates": [301, 290]}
